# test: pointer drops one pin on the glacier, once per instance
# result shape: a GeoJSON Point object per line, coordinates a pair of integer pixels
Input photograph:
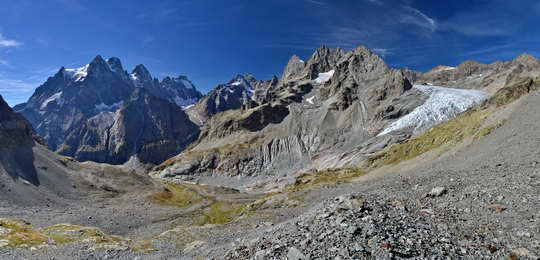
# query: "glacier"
{"type": "Point", "coordinates": [442, 105]}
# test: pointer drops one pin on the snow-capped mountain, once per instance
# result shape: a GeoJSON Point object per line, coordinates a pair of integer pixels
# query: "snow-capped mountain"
{"type": "Point", "coordinates": [237, 93]}
{"type": "Point", "coordinates": [63, 104]}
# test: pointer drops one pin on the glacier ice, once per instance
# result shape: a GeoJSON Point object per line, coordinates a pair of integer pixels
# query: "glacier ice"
{"type": "Point", "coordinates": [442, 105]}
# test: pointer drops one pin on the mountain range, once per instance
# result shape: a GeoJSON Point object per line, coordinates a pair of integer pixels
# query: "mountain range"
{"type": "Point", "coordinates": [342, 156]}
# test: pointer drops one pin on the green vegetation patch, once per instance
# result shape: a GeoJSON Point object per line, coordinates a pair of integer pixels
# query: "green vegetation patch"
{"type": "Point", "coordinates": [65, 233]}
{"type": "Point", "coordinates": [220, 212]}
{"type": "Point", "coordinates": [16, 233]}
{"type": "Point", "coordinates": [178, 195]}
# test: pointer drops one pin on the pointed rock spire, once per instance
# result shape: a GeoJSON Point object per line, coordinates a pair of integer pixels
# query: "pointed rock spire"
{"type": "Point", "coordinates": [115, 64]}
{"type": "Point", "coordinates": [141, 73]}
{"type": "Point", "coordinates": [294, 68]}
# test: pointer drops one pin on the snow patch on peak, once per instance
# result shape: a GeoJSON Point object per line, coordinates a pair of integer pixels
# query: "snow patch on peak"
{"type": "Point", "coordinates": [113, 107]}
{"type": "Point", "coordinates": [78, 74]}
{"type": "Point", "coordinates": [188, 107]}
{"type": "Point", "coordinates": [55, 97]}
{"type": "Point", "coordinates": [442, 105]}
{"type": "Point", "coordinates": [324, 77]}
{"type": "Point", "coordinates": [237, 83]}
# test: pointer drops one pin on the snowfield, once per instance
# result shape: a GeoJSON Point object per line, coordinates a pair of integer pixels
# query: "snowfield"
{"type": "Point", "coordinates": [108, 108]}
{"type": "Point", "coordinates": [77, 74]}
{"type": "Point", "coordinates": [324, 77]}
{"type": "Point", "coordinates": [442, 105]}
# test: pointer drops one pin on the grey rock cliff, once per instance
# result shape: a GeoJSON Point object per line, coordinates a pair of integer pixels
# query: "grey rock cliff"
{"type": "Point", "coordinates": [303, 121]}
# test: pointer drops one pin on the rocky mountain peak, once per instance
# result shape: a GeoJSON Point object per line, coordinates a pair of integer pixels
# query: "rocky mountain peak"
{"type": "Point", "coordinates": [97, 68]}
{"type": "Point", "coordinates": [527, 59]}
{"type": "Point", "coordinates": [14, 129]}
{"type": "Point", "coordinates": [5, 110]}
{"type": "Point", "coordinates": [363, 49]}
{"type": "Point", "coordinates": [141, 73]}
{"type": "Point", "coordinates": [323, 60]}
{"type": "Point", "coordinates": [115, 64]}
{"type": "Point", "coordinates": [294, 68]}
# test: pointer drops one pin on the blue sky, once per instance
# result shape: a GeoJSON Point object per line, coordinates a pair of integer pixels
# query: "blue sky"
{"type": "Point", "coordinates": [212, 40]}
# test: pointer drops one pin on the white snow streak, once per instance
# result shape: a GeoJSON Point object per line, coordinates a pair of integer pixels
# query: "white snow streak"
{"type": "Point", "coordinates": [55, 97]}
{"type": "Point", "coordinates": [113, 107]}
{"type": "Point", "coordinates": [310, 100]}
{"type": "Point", "coordinates": [442, 105]}
{"type": "Point", "coordinates": [237, 83]}
{"type": "Point", "coordinates": [188, 107]}
{"type": "Point", "coordinates": [324, 77]}
{"type": "Point", "coordinates": [77, 74]}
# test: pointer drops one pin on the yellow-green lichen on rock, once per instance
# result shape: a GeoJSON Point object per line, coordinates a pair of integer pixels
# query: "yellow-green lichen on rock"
{"type": "Point", "coordinates": [17, 233]}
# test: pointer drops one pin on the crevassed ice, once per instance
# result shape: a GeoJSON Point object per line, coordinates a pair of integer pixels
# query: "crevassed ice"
{"type": "Point", "coordinates": [442, 105]}
{"type": "Point", "coordinates": [324, 77]}
{"type": "Point", "coordinates": [77, 74]}
{"type": "Point", "coordinates": [55, 97]}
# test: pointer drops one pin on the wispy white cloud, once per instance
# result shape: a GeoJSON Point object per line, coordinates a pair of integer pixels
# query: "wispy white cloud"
{"type": "Point", "coordinates": [3, 62]}
{"type": "Point", "coordinates": [367, 25]}
{"type": "Point", "coordinates": [16, 91]}
{"type": "Point", "coordinates": [382, 52]}
{"type": "Point", "coordinates": [488, 50]}
{"type": "Point", "coordinates": [72, 4]}
{"type": "Point", "coordinates": [148, 39]}
{"type": "Point", "coordinates": [4, 42]}
{"type": "Point", "coordinates": [416, 17]}
{"type": "Point", "coordinates": [492, 18]}
{"type": "Point", "coordinates": [316, 2]}
{"type": "Point", "coordinates": [377, 2]}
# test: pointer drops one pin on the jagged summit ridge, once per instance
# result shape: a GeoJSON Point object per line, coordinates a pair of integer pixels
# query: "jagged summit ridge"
{"type": "Point", "coordinates": [61, 107]}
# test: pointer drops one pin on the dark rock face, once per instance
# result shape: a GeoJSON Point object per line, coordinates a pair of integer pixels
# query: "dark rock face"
{"type": "Point", "coordinates": [14, 129]}
{"type": "Point", "coordinates": [16, 141]}
{"type": "Point", "coordinates": [149, 127]}
{"type": "Point", "coordinates": [68, 102]}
